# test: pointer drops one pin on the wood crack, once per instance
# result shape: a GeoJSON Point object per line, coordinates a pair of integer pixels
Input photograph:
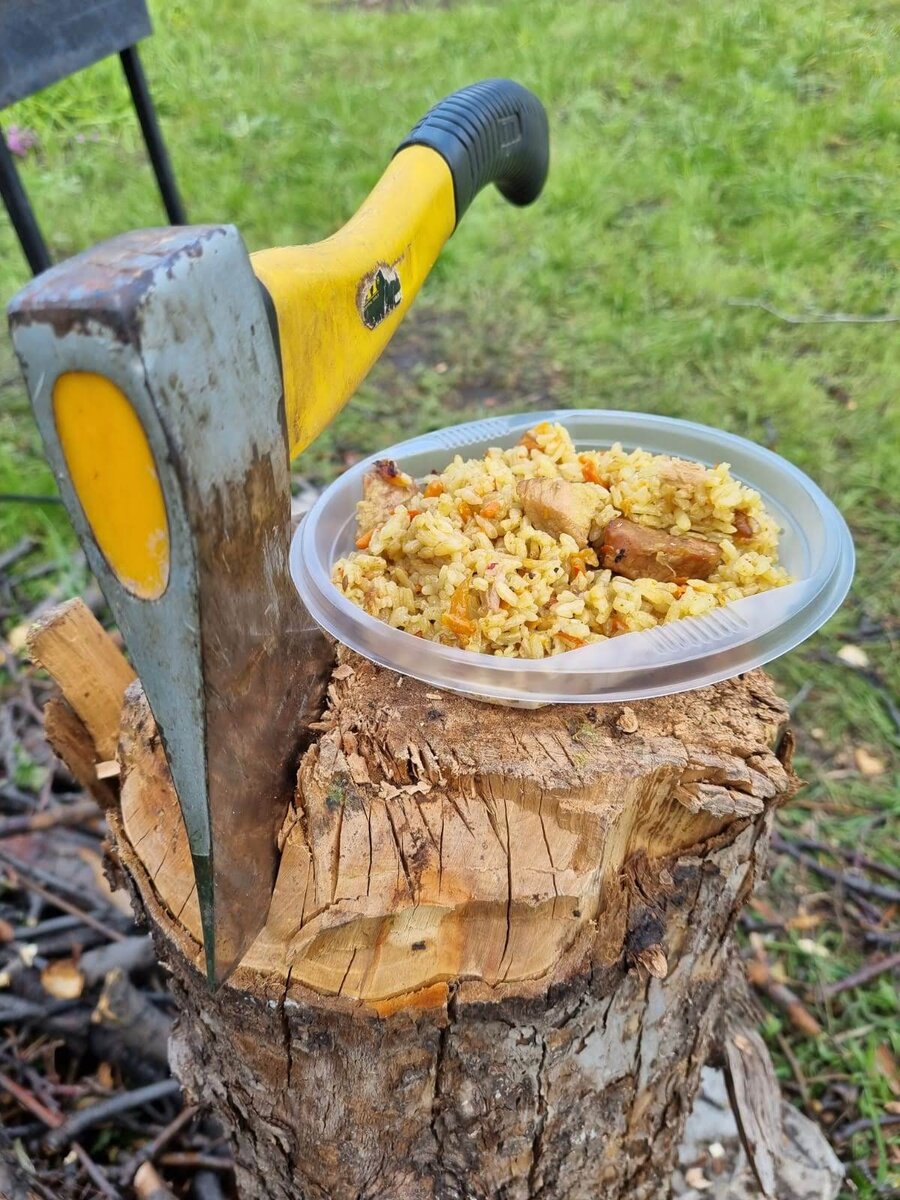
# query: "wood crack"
{"type": "Point", "coordinates": [540, 1121]}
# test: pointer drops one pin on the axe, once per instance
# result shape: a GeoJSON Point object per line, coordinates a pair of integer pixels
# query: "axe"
{"type": "Point", "coordinates": [173, 377]}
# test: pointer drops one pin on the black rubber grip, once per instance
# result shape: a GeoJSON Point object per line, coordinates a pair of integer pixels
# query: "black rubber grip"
{"type": "Point", "coordinates": [491, 132]}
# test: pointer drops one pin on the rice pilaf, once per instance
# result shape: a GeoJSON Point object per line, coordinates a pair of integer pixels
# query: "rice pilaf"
{"type": "Point", "coordinates": [458, 560]}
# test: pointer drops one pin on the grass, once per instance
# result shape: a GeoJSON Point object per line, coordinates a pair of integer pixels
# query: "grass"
{"type": "Point", "coordinates": [702, 154]}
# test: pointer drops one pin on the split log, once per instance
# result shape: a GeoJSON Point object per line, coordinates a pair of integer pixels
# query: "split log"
{"type": "Point", "coordinates": [497, 948]}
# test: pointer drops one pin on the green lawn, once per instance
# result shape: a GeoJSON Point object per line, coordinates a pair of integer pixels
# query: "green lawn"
{"type": "Point", "coordinates": [703, 154]}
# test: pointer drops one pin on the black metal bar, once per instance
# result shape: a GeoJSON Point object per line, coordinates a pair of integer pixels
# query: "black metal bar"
{"type": "Point", "coordinates": [20, 213]}
{"type": "Point", "coordinates": [156, 148]}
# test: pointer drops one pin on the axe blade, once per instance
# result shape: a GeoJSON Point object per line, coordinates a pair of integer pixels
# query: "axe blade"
{"type": "Point", "coordinates": [232, 665]}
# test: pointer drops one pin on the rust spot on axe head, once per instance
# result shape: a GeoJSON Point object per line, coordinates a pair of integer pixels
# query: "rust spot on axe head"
{"type": "Point", "coordinates": [107, 284]}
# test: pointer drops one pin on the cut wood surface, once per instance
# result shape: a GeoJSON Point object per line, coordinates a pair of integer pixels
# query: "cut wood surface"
{"type": "Point", "coordinates": [70, 741]}
{"type": "Point", "coordinates": [496, 952]}
{"type": "Point", "coordinates": [434, 839]}
{"type": "Point", "coordinates": [72, 645]}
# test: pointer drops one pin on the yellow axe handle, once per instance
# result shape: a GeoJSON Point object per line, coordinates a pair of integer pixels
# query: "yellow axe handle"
{"type": "Point", "coordinates": [339, 302]}
{"type": "Point", "coordinates": [319, 290]}
{"type": "Point", "coordinates": [336, 306]}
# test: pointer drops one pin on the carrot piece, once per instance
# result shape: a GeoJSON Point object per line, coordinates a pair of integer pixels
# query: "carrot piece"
{"type": "Point", "coordinates": [490, 510]}
{"type": "Point", "coordinates": [434, 488]}
{"type": "Point", "coordinates": [460, 626]}
{"type": "Point", "coordinates": [529, 443]}
{"type": "Point", "coordinates": [465, 510]}
{"type": "Point", "coordinates": [589, 472]}
{"type": "Point", "coordinates": [459, 601]}
{"type": "Point", "coordinates": [413, 512]}
{"type": "Point", "coordinates": [362, 543]}
{"type": "Point", "coordinates": [573, 641]}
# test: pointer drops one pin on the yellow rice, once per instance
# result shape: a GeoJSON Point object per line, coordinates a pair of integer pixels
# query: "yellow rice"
{"type": "Point", "coordinates": [527, 594]}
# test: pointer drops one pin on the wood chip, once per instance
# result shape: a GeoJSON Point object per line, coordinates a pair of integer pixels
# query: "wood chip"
{"type": "Point", "coordinates": [627, 720]}
{"type": "Point", "coordinates": [71, 644]}
{"type": "Point", "coordinates": [653, 960]}
{"type": "Point", "coordinates": [358, 768]}
{"type": "Point", "coordinates": [108, 770]}
{"type": "Point", "coordinates": [342, 671]}
{"type": "Point", "coordinates": [868, 764]}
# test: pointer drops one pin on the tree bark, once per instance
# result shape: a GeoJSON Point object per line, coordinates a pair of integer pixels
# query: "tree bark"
{"type": "Point", "coordinates": [497, 948]}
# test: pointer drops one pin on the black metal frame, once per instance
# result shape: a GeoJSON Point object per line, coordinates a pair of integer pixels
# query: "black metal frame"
{"type": "Point", "coordinates": [16, 201]}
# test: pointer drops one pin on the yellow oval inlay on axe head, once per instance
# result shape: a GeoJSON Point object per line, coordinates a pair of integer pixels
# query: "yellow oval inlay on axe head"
{"type": "Point", "coordinates": [112, 470]}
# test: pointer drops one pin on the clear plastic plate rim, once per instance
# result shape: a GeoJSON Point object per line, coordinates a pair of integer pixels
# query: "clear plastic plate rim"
{"type": "Point", "coordinates": [805, 604]}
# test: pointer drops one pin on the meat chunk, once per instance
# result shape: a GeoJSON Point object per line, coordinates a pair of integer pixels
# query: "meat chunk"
{"type": "Point", "coordinates": [384, 487]}
{"type": "Point", "coordinates": [744, 526]}
{"type": "Point", "coordinates": [681, 472]}
{"type": "Point", "coordinates": [640, 553]}
{"type": "Point", "coordinates": [557, 506]}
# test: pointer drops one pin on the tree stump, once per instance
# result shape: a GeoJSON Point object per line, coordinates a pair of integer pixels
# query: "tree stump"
{"type": "Point", "coordinates": [497, 948]}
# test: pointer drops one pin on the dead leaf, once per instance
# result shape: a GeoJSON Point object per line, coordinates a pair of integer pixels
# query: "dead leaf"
{"type": "Point", "coordinates": [814, 949]}
{"type": "Point", "coordinates": [653, 960]}
{"type": "Point", "coordinates": [777, 972]}
{"type": "Point", "coordinates": [105, 1076]}
{"type": "Point", "coordinates": [765, 910]}
{"type": "Point", "coordinates": [62, 980]}
{"type": "Point", "coordinates": [868, 764]}
{"type": "Point", "coordinates": [887, 1064]}
{"type": "Point", "coordinates": [853, 656]}
{"type": "Point", "coordinates": [804, 920]}
{"type": "Point", "coordinates": [893, 1107]}
{"type": "Point", "coordinates": [695, 1178]}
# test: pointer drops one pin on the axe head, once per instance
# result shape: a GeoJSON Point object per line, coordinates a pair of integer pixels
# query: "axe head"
{"type": "Point", "coordinates": [155, 380]}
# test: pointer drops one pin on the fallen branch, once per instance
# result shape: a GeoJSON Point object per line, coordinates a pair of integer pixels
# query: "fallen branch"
{"type": "Point", "coordinates": [66, 1132]}
{"type": "Point", "coordinates": [149, 1184]}
{"type": "Point", "coordinates": [851, 856]}
{"type": "Point", "coordinates": [31, 1103]}
{"type": "Point", "coordinates": [760, 975]}
{"type": "Point", "coordinates": [131, 954]}
{"type": "Point", "coordinates": [865, 974]}
{"type": "Point", "coordinates": [155, 1146]}
{"type": "Point", "coordinates": [848, 1131]}
{"type": "Point", "coordinates": [863, 886]}
{"type": "Point", "coordinates": [61, 814]}
{"type": "Point", "coordinates": [22, 547]}
{"type": "Point", "coordinates": [135, 1026]}
{"type": "Point", "coordinates": [26, 875]}
{"type": "Point", "coordinates": [835, 318]}
{"type": "Point", "coordinates": [197, 1162]}
{"type": "Point", "coordinates": [96, 1175]}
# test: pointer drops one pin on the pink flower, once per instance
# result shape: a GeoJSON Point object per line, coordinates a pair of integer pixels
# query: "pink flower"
{"type": "Point", "coordinates": [20, 140]}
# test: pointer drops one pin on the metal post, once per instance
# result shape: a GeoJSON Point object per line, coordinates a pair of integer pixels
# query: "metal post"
{"type": "Point", "coordinates": [20, 213]}
{"type": "Point", "coordinates": [159, 157]}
